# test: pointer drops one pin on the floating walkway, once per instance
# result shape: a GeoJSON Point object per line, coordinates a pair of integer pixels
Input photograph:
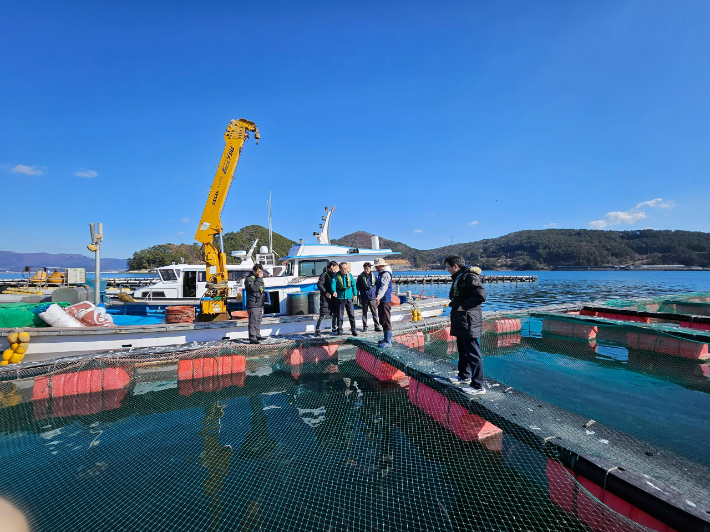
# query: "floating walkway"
{"type": "Point", "coordinates": [446, 279]}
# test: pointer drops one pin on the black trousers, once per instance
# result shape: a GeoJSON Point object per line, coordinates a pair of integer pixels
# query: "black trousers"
{"type": "Point", "coordinates": [326, 310]}
{"type": "Point", "coordinates": [369, 304]}
{"type": "Point", "coordinates": [470, 361]}
{"type": "Point", "coordinates": [255, 315]}
{"type": "Point", "coordinates": [346, 304]}
{"type": "Point", "coordinates": [385, 311]}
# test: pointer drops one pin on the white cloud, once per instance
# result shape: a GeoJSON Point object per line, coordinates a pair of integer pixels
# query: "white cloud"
{"type": "Point", "coordinates": [86, 173]}
{"type": "Point", "coordinates": [618, 217]}
{"type": "Point", "coordinates": [184, 220]}
{"type": "Point", "coordinates": [181, 233]}
{"type": "Point", "coordinates": [631, 216]}
{"type": "Point", "coordinates": [28, 170]}
{"type": "Point", "coordinates": [419, 230]}
{"type": "Point", "coordinates": [658, 202]}
{"type": "Point", "coordinates": [550, 226]}
{"type": "Point", "coordinates": [475, 222]}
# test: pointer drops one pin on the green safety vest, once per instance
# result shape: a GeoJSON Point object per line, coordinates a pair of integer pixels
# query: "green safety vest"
{"type": "Point", "coordinates": [372, 279]}
{"type": "Point", "coordinates": [339, 282]}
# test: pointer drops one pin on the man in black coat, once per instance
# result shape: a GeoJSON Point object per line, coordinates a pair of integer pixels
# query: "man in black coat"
{"type": "Point", "coordinates": [367, 292]}
{"type": "Point", "coordinates": [327, 301]}
{"type": "Point", "coordinates": [254, 284]}
{"type": "Point", "coordinates": [467, 294]}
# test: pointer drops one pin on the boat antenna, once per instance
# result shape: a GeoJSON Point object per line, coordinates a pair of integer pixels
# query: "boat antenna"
{"type": "Point", "coordinates": [271, 239]}
{"type": "Point", "coordinates": [251, 250]}
{"type": "Point", "coordinates": [324, 234]}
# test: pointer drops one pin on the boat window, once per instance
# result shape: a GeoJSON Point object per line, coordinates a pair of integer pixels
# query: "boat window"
{"type": "Point", "coordinates": [166, 274]}
{"type": "Point", "coordinates": [202, 276]}
{"type": "Point", "coordinates": [157, 294]}
{"type": "Point", "coordinates": [289, 268]}
{"type": "Point", "coordinates": [189, 284]}
{"type": "Point", "coordinates": [311, 268]}
{"type": "Point", "coordinates": [233, 275]}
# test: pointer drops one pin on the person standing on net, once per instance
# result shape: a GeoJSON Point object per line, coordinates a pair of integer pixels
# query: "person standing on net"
{"type": "Point", "coordinates": [383, 300]}
{"type": "Point", "coordinates": [327, 301]}
{"type": "Point", "coordinates": [344, 292]}
{"type": "Point", "coordinates": [367, 292]}
{"type": "Point", "coordinates": [467, 294]}
{"type": "Point", "coordinates": [254, 284]}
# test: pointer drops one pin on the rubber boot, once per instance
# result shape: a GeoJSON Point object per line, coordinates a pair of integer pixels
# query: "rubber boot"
{"type": "Point", "coordinates": [388, 339]}
{"type": "Point", "coordinates": [383, 341]}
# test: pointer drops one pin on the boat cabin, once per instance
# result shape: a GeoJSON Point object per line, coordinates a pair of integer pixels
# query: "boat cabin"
{"type": "Point", "coordinates": [189, 281]}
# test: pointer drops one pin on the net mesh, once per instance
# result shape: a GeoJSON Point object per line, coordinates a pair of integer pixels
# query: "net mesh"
{"type": "Point", "coordinates": [339, 434]}
{"type": "Point", "coordinates": [687, 302]}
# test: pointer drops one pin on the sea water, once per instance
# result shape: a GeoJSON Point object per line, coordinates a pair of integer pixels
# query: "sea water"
{"type": "Point", "coordinates": [554, 287]}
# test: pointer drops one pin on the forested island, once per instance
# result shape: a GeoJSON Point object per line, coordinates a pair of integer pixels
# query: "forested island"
{"type": "Point", "coordinates": [522, 250]}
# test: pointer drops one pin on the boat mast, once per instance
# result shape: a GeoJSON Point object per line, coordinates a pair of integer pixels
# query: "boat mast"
{"type": "Point", "coordinates": [271, 240]}
{"type": "Point", "coordinates": [324, 235]}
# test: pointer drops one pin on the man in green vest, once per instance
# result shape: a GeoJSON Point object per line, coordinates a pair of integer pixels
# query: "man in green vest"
{"type": "Point", "coordinates": [345, 291]}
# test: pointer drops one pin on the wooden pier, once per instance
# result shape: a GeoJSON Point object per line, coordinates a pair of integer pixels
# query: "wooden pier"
{"type": "Point", "coordinates": [446, 279]}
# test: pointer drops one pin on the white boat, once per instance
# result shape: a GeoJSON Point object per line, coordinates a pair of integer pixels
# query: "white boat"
{"type": "Point", "coordinates": [182, 284]}
{"type": "Point", "coordinates": [185, 284]}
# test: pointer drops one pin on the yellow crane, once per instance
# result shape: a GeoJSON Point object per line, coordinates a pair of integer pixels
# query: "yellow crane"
{"type": "Point", "coordinates": [214, 303]}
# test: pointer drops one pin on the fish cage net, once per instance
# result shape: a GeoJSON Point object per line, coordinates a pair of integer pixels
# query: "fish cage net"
{"type": "Point", "coordinates": [682, 303]}
{"type": "Point", "coordinates": [338, 433]}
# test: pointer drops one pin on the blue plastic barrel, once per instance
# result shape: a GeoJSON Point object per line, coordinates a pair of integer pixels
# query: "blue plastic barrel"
{"type": "Point", "coordinates": [297, 304]}
{"type": "Point", "coordinates": [314, 302]}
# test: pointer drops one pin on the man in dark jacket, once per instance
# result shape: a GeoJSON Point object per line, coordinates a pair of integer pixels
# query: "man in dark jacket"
{"type": "Point", "coordinates": [254, 285]}
{"type": "Point", "coordinates": [367, 292]}
{"type": "Point", "coordinates": [327, 302]}
{"type": "Point", "coordinates": [467, 294]}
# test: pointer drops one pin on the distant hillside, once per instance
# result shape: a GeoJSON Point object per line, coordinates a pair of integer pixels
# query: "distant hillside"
{"type": "Point", "coordinates": [164, 254]}
{"type": "Point", "coordinates": [14, 262]}
{"type": "Point", "coordinates": [522, 250]}
{"type": "Point", "coordinates": [244, 238]}
{"type": "Point", "coordinates": [362, 239]}
{"type": "Point", "coordinates": [548, 248]}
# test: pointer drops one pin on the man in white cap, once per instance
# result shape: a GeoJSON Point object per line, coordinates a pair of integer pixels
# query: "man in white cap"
{"type": "Point", "coordinates": [383, 300]}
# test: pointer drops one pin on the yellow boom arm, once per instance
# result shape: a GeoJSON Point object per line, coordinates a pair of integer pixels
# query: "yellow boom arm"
{"type": "Point", "coordinates": [211, 222]}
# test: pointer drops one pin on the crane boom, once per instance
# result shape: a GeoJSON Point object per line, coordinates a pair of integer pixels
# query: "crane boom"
{"type": "Point", "coordinates": [211, 222]}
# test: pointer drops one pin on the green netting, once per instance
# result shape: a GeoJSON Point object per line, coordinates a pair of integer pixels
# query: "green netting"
{"type": "Point", "coordinates": [314, 435]}
{"type": "Point", "coordinates": [659, 304]}
{"type": "Point", "coordinates": [21, 315]}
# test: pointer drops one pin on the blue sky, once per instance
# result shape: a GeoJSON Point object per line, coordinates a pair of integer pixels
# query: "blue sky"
{"type": "Point", "coordinates": [416, 119]}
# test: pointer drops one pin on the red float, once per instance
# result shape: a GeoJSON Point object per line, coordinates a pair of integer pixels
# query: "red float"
{"type": "Point", "coordinates": [568, 328]}
{"type": "Point", "coordinates": [465, 425]}
{"type": "Point", "coordinates": [502, 326]}
{"type": "Point", "coordinates": [667, 345]}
